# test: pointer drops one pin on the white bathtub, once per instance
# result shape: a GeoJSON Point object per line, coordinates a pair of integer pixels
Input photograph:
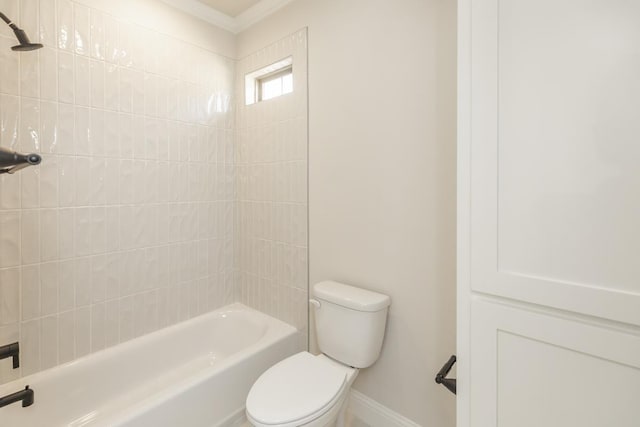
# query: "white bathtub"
{"type": "Point", "coordinates": [193, 374]}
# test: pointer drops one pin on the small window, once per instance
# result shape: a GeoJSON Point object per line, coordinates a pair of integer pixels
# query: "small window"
{"type": "Point", "coordinates": [274, 85]}
{"type": "Point", "coordinates": [269, 82]}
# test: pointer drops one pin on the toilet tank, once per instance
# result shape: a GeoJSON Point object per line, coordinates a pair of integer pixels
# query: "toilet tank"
{"type": "Point", "coordinates": [350, 322]}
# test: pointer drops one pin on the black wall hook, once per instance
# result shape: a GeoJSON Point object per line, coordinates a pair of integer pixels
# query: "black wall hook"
{"type": "Point", "coordinates": [441, 377]}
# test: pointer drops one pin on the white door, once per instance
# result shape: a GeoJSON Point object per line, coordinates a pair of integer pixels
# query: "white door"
{"type": "Point", "coordinates": [549, 213]}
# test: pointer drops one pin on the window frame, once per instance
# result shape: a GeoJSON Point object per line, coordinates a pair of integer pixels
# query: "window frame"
{"type": "Point", "coordinates": [254, 80]}
{"type": "Point", "coordinates": [269, 77]}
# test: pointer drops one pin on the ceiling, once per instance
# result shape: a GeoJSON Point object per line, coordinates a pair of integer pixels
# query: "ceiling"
{"type": "Point", "coordinates": [230, 7]}
{"type": "Point", "coordinates": [230, 15]}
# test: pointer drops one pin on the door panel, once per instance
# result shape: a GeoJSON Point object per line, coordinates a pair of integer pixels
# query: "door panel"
{"type": "Point", "coordinates": [534, 369]}
{"type": "Point", "coordinates": [555, 176]}
{"type": "Point", "coordinates": [568, 152]}
{"type": "Point", "coordinates": [549, 213]}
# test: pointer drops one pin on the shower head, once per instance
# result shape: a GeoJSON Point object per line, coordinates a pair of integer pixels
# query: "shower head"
{"type": "Point", "coordinates": [23, 39]}
{"type": "Point", "coordinates": [26, 47]}
{"type": "Point", "coordinates": [25, 43]}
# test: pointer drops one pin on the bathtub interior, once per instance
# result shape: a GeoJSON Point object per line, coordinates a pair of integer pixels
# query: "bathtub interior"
{"type": "Point", "coordinates": [205, 365]}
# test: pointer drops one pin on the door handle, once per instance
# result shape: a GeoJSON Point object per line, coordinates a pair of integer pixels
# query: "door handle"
{"type": "Point", "coordinates": [441, 377]}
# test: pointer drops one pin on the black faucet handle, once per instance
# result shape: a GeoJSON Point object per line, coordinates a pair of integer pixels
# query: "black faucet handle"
{"type": "Point", "coordinates": [11, 350]}
{"type": "Point", "coordinates": [28, 398]}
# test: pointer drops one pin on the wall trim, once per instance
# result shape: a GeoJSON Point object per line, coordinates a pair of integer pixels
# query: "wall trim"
{"type": "Point", "coordinates": [235, 25]}
{"type": "Point", "coordinates": [258, 12]}
{"type": "Point", "coordinates": [205, 13]}
{"type": "Point", "coordinates": [374, 413]}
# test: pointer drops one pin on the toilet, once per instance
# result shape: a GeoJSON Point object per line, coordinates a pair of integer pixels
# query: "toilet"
{"type": "Point", "coordinates": [312, 391]}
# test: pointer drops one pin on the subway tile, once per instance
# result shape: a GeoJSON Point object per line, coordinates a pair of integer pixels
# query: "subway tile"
{"type": "Point", "coordinates": [10, 197]}
{"type": "Point", "coordinates": [49, 234]}
{"type": "Point", "coordinates": [30, 347]}
{"type": "Point", "coordinates": [48, 74]}
{"type": "Point", "coordinates": [137, 92]}
{"type": "Point", "coordinates": [30, 125]}
{"type": "Point", "coordinates": [66, 129]}
{"type": "Point", "coordinates": [83, 331]}
{"type": "Point", "coordinates": [98, 327]}
{"type": "Point", "coordinates": [30, 236]}
{"type": "Point", "coordinates": [49, 342]}
{"type": "Point", "coordinates": [66, 181]}
{"type": "Point", "coordinates": [98, 230]}
{"type": "Point", "coordinates": [30, 76]}
{"type": "Point", "coordinates": [30, 188]}
{"type": "Point", "coordinates": [9, 67]}
{"type": "Point", "coordinates": [49, 127]}
{"type": "Point", "coordinates": [97, 33]}
{"type": "Point", "coordinates": [97, 132]}
{"type": "Point", "coordinates": [66, 285]}
{"type": "Point", "coordinates": [82, 77]}
{"type": "Point", "coordinates": [47, 23]}
{"type": "Point", "coordinates": [66, 233]}
{"type": "Point", "coordinates": [9, 333]}
{"type": "Point", "coordinates": [49, 182]}
{"type": "Point", "coordinates": [111, 46]}
{"type": "Point", "coordinates": [82, 229]}
{"type": "Point", "coordinates": [125, 89]}
{"type": "Point", "coordinates": [83, 181]}
{"type": "Point", "coordinates": [49, 288]}
{"type": "Point", "coordinates": [9, 120]}
{"type": "Point", "coordinates": [66, 77]}
{"type": "Point", "coordinates": [111, 135]}
{"type": "Point", "coordinates": [65, 30]}
{"type": "Point", "coordinates": [9, 296]}
{"type": "Point", "coordinates": [82, 281]}
{"type": "Point", "coordinates": [30, 289]}
{"type": "Point", "coordinates": [111, 88]}
{"type": "Point", "coordinates": [81, 23]}
{"type": "Point", "coordinates": [97, 84]}
{"type": "Point", "coordinates": [66, 336]}
{"type": "Point", "coordinates": [111, 323]}
{"type": "Point", "coordinates": [9, 8]}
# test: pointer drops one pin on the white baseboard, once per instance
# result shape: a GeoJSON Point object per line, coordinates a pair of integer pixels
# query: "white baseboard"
{"type": "Point", "coordinates": [361, 406]}
{"type": "Point", "coordinates": [374, 413]}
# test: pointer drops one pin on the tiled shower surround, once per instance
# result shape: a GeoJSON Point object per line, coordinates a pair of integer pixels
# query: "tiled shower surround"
{"type": "Point", "coordinates": [272, 189]}
{"type": "Point", "coordinates": [139, 216]}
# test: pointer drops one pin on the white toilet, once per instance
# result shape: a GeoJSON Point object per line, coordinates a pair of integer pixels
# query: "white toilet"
{"type": "Point", "coordinates": [311, 391]}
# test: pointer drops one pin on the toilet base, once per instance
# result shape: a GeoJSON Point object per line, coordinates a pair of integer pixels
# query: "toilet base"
{"type": "Point", "coordinates": [336, 415]}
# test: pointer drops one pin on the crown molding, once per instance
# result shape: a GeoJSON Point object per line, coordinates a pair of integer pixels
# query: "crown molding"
{"type": "Point", "coordinates": [235, 25]}
{"type": "Point", "coordinates": [258, 12]}
{"type": "Point", "coordinates": [204, 12]}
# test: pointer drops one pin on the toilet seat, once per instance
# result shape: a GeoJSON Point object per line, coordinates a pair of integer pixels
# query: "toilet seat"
{"type": "Point", "coordinates": [296, 391]}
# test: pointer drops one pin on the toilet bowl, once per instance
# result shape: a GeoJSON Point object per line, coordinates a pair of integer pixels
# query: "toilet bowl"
{"type": "Point", "coordinates": [312, 391]}
{"type": "Point", "coordinates": [302, 390]}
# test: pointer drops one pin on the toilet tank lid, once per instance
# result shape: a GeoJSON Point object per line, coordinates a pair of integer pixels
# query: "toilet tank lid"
{"type": "Point", "coordinates": [350, 296]}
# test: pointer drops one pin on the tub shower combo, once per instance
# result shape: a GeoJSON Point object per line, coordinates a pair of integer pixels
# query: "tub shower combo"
{"type": "Point", "coordinates": [11, 162]}
{"type": "Point", "coordinates": [196, 373]}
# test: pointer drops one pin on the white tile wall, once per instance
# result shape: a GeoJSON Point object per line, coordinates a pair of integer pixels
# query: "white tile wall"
{"type": "Point", "coordinates": [127, 225]}
{"type": "Point", "coordinates": [272, 190]}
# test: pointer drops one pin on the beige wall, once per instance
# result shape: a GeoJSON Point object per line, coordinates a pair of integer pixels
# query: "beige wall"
{"type": "Point", "coordinates": [382, 176]}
